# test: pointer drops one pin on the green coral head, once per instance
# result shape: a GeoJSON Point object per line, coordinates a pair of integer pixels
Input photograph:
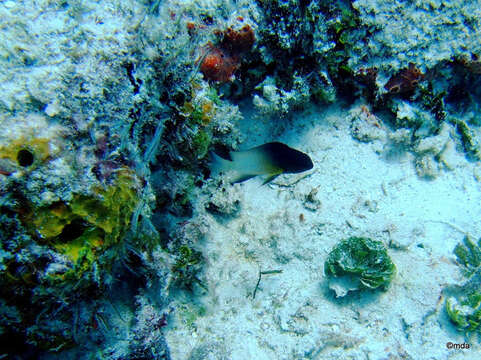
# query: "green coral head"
{"type": "Point", "coordinates": [362, 258]}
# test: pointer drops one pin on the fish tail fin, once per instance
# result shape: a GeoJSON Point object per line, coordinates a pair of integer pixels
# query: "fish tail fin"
{"type": "Point", "coordinates": [218, 164]}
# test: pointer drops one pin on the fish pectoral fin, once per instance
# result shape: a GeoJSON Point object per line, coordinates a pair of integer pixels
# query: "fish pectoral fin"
{"type": "Point", "coordinates": [242, 178]}
{"type": "Point", "coordinates": [270, 178]}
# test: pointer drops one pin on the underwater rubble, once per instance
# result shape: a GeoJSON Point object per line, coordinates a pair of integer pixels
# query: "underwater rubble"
{"type": "Point", "coordinates": [109, 111]}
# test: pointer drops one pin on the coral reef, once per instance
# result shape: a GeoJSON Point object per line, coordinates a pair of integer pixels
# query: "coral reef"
{"type": "Point", "coordinates": [109, 111]}
{"type": "Point", "coordinates": [77, 154]}
{"type": "Point", "coordinates": [278, 102]}
{"type": "Point", "coordinates": [294, 46]}
{"type": "Point", "coordinates": [423, 33]}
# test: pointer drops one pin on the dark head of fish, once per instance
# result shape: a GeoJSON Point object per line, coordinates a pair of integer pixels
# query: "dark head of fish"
{"type": "Point", "coordinates": [288, 159]}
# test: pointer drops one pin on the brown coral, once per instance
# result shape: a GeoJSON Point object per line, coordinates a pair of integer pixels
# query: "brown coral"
{"type": "Point", "coordinates": [238, 41]}
{"type": "Point", "coordinates": [220, 63]}
{"type": "Point", "coordinates": [405, 80]}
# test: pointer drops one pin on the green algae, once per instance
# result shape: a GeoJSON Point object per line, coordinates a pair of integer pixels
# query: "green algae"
{"type": "Point", "coordinates": [464, 306]}
{"type": "Point", "coordinates": [468, 254]}
{"type": "Point", "coordinates": [363, 259]}
{"type": "Point", "coordinates": [200, 143]}
{"type": "Point", "coordinates": [470, 144]}
{"type": "Point", "coordinates": [465, 311]}
{"type": "Point", "coordinates": [187, 266]}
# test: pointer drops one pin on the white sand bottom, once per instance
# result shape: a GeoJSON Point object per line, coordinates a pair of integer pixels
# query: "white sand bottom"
{"type": "Point", "coordinates": [361, 192]}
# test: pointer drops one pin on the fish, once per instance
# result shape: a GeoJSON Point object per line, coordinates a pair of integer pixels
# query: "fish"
{"type": "Point", "coordinates": [271, 159]}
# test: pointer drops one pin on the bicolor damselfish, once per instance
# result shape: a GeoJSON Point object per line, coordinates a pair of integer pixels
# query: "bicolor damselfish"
{"type": "Point", "coordinates": [271, 159]}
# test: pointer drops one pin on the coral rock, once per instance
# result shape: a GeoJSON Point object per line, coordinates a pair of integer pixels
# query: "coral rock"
{"type": "Point", "coordinates": [365, 126]}
{"type": "Point", "coordinates": [367, 76]}
{"type": "Point", "coordinates": [473, 64]}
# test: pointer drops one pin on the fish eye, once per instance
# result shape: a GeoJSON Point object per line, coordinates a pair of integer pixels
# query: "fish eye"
{"type": "Point", "coordinates": [395, 89]}
{"type": "Point", "coordinates": [25, 158]}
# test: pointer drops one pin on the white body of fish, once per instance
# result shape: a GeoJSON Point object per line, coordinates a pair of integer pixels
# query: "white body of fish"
{"type": "Point", "coordinates": [244, 164]}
